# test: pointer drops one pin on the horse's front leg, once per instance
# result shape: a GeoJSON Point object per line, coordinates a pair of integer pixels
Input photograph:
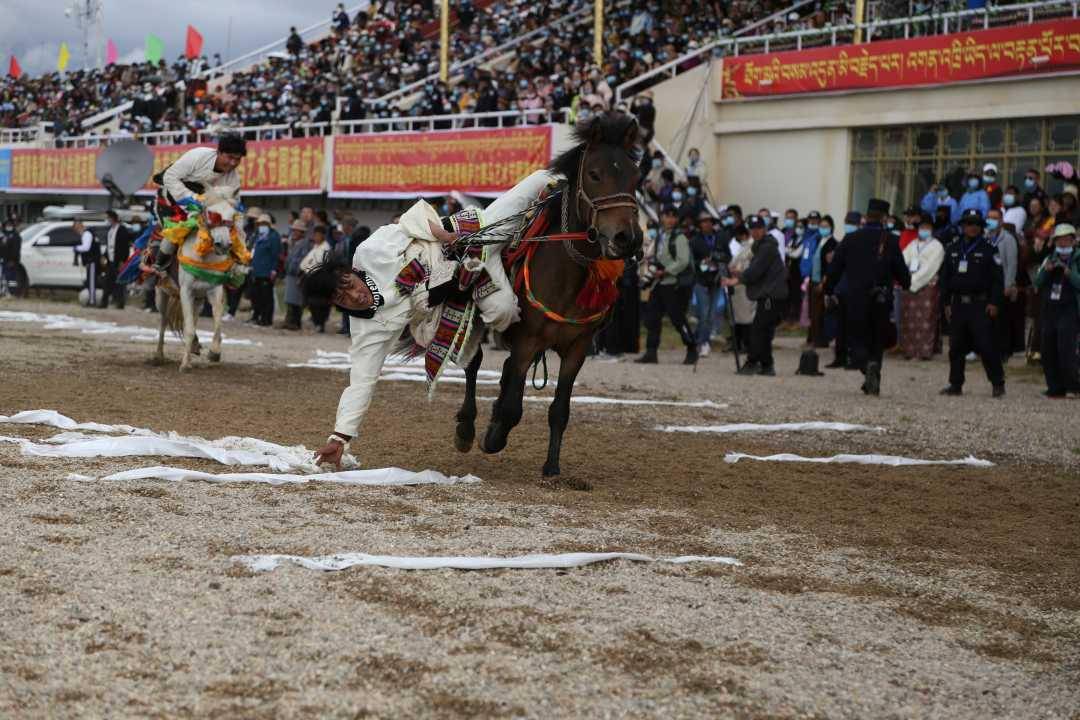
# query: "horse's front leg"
{"type": "Point", "coordinates": [559, 412]}
{"type": "Point", "coordinates": [507, 411]}
{"type": "Point", "coordinates": [161, 299]}
{"type": "Point", "coordinates": [466, 416]}
{"type": "Point", "coordinates": [217, 307]}
{"type": "Point", "coordinates": [187, 305]}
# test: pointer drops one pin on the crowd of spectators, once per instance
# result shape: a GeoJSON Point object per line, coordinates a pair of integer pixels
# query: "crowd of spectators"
{"type": "Point", "coordinates": [692, 247]}
{"type": "Point", "coordinates": [367, 56]}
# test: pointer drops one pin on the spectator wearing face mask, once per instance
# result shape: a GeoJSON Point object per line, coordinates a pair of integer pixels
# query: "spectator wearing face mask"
{"type": "Point", "coordinates": [710, 255]}
{"type": "Point", "coordinates": [937, 197]}
{"type": "Point", "coordinates": [10, 253]}
{"type": "Point", "coordinates": [667, 187]}
{"type": "Point", "coordinates": [1015, 214]}
{"type": "Point", "coordinates": [694, 204]}
{"type": "Point", "coordinates": [645, 112]}
{"type": "Point", "coordinates": [742, 308]}
{"type": "Point", "coordinates": [731, 219]}
{"type": "Point", "coordinates": [919, 305]}
{"type": "Point", "coordinates": [990, 184]}
{"type": "Point", "coordinates": [819, 335]}
{"type": "Point", "coordinates": [670, 296]}
{"type": "Point", "coordinates": [1058, 284]}
{"type": "Point", "coordinates": [695, 166]}
{"type": "Point", "coordinates": [975, 197]}
{"type": "Point", "coordinates": [1033, 187]}
{"type": "Point", "coordinates": [676, 199]}
{"type": "Point", "coordinates": [264, 261]}
{"type": "Point", "coordinates": [910, 231]}
{"type": "Point", "coordinates": [1007, 249]}
{"type": "Point", "coordinates": [794, 230]}
{"type": "Point", "coordinates": [765, 280]}
{"type": "Point", "coordinates": [811, 240]}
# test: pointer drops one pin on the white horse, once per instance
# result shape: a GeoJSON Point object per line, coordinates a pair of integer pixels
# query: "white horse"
{"type": "Point", "coordinates": [201, 275]}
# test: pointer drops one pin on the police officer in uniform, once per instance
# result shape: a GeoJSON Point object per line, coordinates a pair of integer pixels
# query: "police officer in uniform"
{"type": "Point", "coordinates": [871, 260]}
{"type": "Point", "coordinates": [972, 291]}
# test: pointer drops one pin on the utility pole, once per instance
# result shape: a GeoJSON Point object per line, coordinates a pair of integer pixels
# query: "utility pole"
{"type": "Point", "coordinates": [598, 33]}
{"type": "Point", "coordinates": [89, 17]}
{"type": "Point", "coordinates": [444, 41]}
{"type": "Point", "coordinates": [860, 15]}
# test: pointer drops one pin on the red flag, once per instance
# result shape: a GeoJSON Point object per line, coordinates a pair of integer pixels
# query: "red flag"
{"type": "Point", "coordinates": [194, 43]}
{"type": "Point", "coordinates": [13, 68]}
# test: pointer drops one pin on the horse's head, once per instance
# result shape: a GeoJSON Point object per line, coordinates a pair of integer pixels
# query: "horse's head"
{"type": "Point", "coordinates": [218, 216]}
{"type": "Point", "coordinates": [603, 172]}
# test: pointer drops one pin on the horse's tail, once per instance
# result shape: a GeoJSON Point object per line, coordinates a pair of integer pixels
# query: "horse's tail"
{"type": "Point", "coordinates": [173, 312]}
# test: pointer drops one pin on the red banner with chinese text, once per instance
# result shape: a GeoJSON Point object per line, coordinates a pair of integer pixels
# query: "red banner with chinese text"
{"type": "Point", "coordinates": [478, 162]}
{"type": "Point", "coordinates": [291, 166]}
{"type": "Point", "coordinates": [1014, 50]}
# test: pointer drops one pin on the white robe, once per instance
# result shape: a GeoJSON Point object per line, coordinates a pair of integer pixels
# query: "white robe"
{"type": "Point", "coordinates": [383, 255]}
{"type": "Point", "coordinates": [930, 255]}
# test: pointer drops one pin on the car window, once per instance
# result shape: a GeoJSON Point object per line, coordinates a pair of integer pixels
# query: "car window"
{"type": "Point", "coordinates": [62, 237]}
{"type": "Point", "coordinates": [31, 230]}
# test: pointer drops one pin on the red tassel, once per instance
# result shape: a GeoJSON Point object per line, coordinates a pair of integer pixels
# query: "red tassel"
{"type": "Point", "coordinates": [600, 291]}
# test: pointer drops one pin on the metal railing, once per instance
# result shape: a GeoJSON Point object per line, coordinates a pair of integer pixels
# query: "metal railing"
{"type": "Point", "coordinates": [701, 54]}
{"type": "Point", "coordinates": [26, 135]}
{"type": "Point", "coordinates": [915, 26]}
{"type": "Point", "coordinates": [489, 54]}
{"type": "Point", "coordinates": [106, 115]}
{"type": "Point", "coordinates": [422, 123]}
{"type": "Point", "coordinates": [311, 32]}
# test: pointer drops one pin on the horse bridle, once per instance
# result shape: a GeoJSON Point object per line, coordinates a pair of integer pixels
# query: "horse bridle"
{"type": "Point", "coordinates": [597, 205]}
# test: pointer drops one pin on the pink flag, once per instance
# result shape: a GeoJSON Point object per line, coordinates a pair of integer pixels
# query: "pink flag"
{"type": "Point", "coordinates": [111, 55]}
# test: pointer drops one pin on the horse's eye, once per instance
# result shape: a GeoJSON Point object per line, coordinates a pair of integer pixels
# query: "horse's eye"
{"type": "Point", "coordinates": [594, 176]}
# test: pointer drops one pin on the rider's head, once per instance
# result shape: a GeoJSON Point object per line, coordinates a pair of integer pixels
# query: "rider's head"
{"type": "Point", "coordinates": [334, 283]}
{"type": "Point", "coordinates": [232, 148]}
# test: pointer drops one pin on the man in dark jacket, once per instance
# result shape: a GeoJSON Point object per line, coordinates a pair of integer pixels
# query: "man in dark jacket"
{"type": "Point", "coordinates": [871, 259]}
{"type": "Point", "coordinates": [10, 254]}
{"type": "Point", "coordinates": [264, 262]}
{"type": "Point", "coordinates": [766, 284]}
{"type": "Point", "coordinates": [117, 248]}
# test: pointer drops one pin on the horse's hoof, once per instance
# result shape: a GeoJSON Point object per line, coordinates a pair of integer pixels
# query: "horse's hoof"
{"type": "Point", "coordinates": [551, 470]}
{"type": "Point", "coordinates": [464, 441]}
{"type": "Point", "coordinates": [557, 482]}
{"type": "Point", "coordinates": [214, 356]}
{"type": "Point", "coordinates": [185, 368]}
{"type": "Point", "coordinates": [491, 447]}
{"type": "Point", "coordinates": [156, 361]}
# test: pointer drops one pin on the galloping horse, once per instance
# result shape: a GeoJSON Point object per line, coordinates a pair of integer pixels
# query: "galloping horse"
{"type": "Point", "coordinates": [596, 213]}
{"type": "Point", "coordinates": [206, 260]}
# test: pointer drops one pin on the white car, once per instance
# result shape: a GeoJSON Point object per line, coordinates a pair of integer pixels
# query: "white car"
{"type": "Point", "coordinates": [48, 254]}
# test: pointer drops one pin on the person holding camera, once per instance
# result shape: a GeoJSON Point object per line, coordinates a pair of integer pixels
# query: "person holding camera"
{"type": "Point", "coordinates": [766, 284]}
{"type": "Point", "coordinates": [1058, 284]}
{"type": "Point", "coordinates": [972, 292]}
{"type": "Point", "coordinates": [673, 272]}
{"type": "Point", "coordinates": [870, 258]}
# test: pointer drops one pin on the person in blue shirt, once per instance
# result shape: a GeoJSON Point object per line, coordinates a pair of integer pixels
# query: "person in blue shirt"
{"type": "Point", "coordinates": [975, 197]}
{"type": "Point", "coordinates": [939, 196]}
{"type": "Point", "coordinates": [264, 262]}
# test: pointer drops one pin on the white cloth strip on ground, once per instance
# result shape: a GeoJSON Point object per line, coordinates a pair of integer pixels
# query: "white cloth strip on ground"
{"type": "Point", "coordinates": [892, 460]}
{"type": "Point", "coordinates": [775, 427]}
{"type": "Point", "coordinates": [341, 561]}
{"type": "Point", "coordinates": [372, 477]}
{"type": "Point", "coordinates": [55, 419]}
{"type": "Point", "coordinates": [596, 400]}
{"type": "Point", "coordinates": [96, 327]}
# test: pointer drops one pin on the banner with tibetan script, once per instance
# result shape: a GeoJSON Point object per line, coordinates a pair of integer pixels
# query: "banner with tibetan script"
{"type": "Point", "coordinates": [272, 167]}
{"type": "Point", "coordinates": [1014, 50]}
{"type": "Point", "coordinates": [405, 165]}
{"type": "Point", "coordinates": [54, 170]}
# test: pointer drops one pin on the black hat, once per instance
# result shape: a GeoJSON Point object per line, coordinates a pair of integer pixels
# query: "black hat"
{"type": "Point", "coordinates": [854, 217]}
{"type": "Point", "coordinates": [233, 144]}
{"type": "Point", "coordinates": [878, 205]}
{"type": "Point", "coordinates": [755, 221]}
{"type": "Point", "coordinates": [808, 364]}
{"type": "Point", "coordinates": [669, 210]}
{"type": "Point", "coordinates": [814, 215]}
{"type": "Point", "coordinates": [972, 216]}
{"type": "Point", "coordinates": [913, 210]}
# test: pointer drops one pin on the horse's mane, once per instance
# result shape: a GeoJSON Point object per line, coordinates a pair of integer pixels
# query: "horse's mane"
{"type": "Point", "coordinates": [609, 127]}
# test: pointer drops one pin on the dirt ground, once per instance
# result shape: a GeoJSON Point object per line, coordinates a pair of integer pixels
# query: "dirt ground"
{"type": "Point", "coordinates": [865, 591]}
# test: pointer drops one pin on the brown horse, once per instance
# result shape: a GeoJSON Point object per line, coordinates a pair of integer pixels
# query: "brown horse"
{"type": "Point", "coordinates": [599, 207]}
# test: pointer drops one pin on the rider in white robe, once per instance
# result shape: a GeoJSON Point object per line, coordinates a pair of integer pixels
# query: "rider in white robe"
{"type": "Point", "coordinates": [382, 256]}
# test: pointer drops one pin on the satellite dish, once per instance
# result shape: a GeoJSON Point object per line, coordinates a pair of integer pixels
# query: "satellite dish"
{"type": "Point", "coordinates": [124, 167]}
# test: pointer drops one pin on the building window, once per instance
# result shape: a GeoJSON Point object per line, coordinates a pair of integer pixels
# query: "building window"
{"type": "Point", "coordinates": [899, 164]}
